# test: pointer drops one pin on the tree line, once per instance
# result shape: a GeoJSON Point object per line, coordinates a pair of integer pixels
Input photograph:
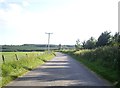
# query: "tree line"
{"type": "Point", "coordinates": [105, 39]}
{"type": "Point", "coordinates": [33, 47]}
{"type": "Point", "coordinates": [104, 53]}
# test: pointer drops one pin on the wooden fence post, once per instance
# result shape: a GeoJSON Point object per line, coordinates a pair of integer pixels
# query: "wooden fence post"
{"type": "Point", "coordinates": [3, 58]}
{"type": "Point", "coordinates": [16, 57]}
{"type": "Point", "coordinates": [37, 54]}
{"type": "Point", "coordinates": [26, 55]}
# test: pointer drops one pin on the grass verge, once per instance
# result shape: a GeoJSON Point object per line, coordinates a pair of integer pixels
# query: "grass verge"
{"type": "Point", "coordinates": [106, 73]}
{"type": "Point", "coordinates": [12, 70]}
{"type": "Point", "coordinates": [100, 66]}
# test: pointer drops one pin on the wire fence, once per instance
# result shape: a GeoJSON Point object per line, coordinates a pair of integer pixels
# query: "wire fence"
{"type": "Point", "coordinates": [15, 56]}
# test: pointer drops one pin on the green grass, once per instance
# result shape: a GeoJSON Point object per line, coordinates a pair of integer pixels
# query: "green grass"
{"type": "Point", "coordinates": [10, 56]}
{"type": "Point", "coordinates": [12, 69]}
{"type": "Point", "coordinates": [106, 73]}
{"type": "Point", "coordinates": [103, 61]}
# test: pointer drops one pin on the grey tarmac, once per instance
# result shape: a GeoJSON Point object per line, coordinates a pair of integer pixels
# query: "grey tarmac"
{"type": "Point", "coordinates": [62, 70]}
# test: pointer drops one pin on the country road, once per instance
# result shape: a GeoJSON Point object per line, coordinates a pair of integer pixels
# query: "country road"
{"type": "Point", "coordinates": [60, 71]}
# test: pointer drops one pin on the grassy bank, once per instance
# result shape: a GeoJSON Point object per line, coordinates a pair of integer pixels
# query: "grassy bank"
{"type": "Point", "coordinates": [13, 69]}
{"type": "Point", "coordinates": [102, 60]}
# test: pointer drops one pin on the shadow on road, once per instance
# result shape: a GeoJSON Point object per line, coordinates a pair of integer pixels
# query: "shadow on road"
{"type": "Point", "coordinates": [60, 71]}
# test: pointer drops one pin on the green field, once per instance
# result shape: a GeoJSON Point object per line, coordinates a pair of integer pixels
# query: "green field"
{"type": "Point", "coordinates": [13, 68]}
{"type": "Point", "coordinates": [10, 56]}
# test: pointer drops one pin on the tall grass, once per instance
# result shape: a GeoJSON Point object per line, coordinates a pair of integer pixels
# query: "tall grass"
{"type": "Point", "coordinates": [13, 69]}
{"type": "Point", "coordinates": [102, 60]}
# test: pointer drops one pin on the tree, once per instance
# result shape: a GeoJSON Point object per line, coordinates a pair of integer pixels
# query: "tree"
{"type": "Point", "coordinates": [83, 44]}
{"type": "Point", "coordinates": [77, 45]}
{"type": "Point", "coordinates": [116, 39]}
{"type": "Point", "coordinates": [59, 46]}
{"type": "Point", "coordinates": [104, 39]}
{"type": "Point", "coordinates": [90, 44]}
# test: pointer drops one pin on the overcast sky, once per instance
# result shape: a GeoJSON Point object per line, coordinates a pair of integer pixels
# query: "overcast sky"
{"type": "Point", "coordinates": [26, 21]}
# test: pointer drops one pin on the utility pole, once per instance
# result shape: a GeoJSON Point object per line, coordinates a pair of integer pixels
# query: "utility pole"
{"type": "Point", "coordinates": [48, 41]}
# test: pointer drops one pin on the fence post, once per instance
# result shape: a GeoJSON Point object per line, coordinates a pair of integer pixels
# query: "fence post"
{"type": "Point", "coordinates": [3, 58]}
{"type": "Point", "coordinates": [16, 57]}
{"type": "Point", "coordinates": [26, 55]}
{"type": "Point", "coordinates": [37, 54]}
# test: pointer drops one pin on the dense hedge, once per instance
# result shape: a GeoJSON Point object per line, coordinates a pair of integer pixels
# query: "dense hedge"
{"type": "Point", "coordinates": [104, 60]}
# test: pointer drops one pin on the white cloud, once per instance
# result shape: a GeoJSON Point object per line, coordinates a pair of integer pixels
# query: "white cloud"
{"type": "Point", "coordinates": [25, 3]}
{"type": "Point", "coordinates": [15, 8]}
{"type": "Point", "coordinates": [2, 1]}
{"type": "Point", "coordinates": [80, 19]}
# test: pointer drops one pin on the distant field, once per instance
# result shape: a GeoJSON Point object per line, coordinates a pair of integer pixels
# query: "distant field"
{"type": "Point", "coordinates": [32, 47]}
{"type": "Point", "coordinates": [10, 56]}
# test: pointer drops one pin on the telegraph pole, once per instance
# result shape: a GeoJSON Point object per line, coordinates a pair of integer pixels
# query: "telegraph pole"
{"type": "Point", "coordinates": [48, 41]}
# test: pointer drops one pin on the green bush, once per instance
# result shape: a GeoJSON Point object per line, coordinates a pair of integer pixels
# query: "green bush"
{"type": "Point", "coordinates": [102, 60]}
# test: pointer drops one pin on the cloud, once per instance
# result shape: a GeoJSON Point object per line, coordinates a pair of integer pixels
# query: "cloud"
{"type": "Point", "coordinates": [15, 8]}
{"type": "Point", "coordinates": [2, 1]}
{"type": "Point", "coordinates": [78, 18]}
{"type": "Point", "coordinates": [25, 3]}
{"type": "Point", "coordinates": [12, 12]}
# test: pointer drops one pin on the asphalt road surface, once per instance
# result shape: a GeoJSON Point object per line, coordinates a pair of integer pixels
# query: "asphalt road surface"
{"type": "Point", "coordinates": [60, 71]}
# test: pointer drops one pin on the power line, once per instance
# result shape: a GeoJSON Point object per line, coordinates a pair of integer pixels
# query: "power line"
{"type": "Point", "coordinates": [48, 41]}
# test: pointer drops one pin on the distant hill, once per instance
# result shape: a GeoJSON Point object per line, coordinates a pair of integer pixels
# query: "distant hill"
{"type": "Point", "coordinates": [32, 47]}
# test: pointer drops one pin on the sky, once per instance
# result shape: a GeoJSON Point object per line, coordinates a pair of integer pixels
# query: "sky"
{"type": "Point", "coordinates": [27, 21]}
